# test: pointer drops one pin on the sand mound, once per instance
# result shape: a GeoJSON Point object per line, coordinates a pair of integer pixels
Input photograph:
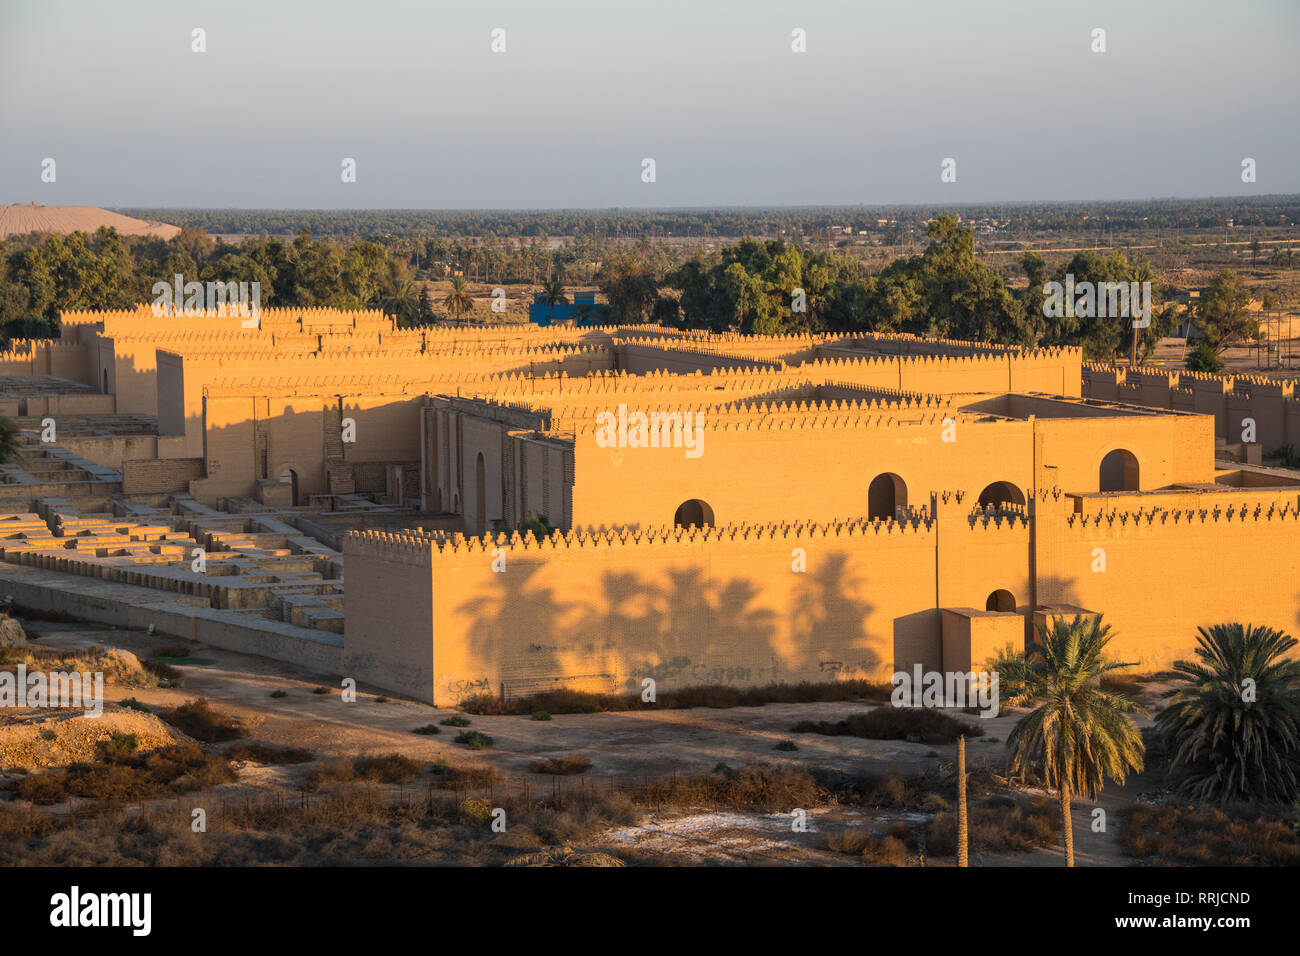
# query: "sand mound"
{"type": "Point", "coordinates": [118, 666]}
{"type": "Point", "coordinates": [34, 739]}
{"type": "Point", "coordinates": [23, 218]}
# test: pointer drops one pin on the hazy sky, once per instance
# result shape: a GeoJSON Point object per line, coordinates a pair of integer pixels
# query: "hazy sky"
{"type": "Point", "coordinates": [709, 89]}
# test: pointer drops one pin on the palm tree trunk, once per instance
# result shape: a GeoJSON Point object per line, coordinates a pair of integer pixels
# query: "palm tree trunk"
{"type": "Point", "coordinates": [961, 801]}
{"type": "Point", "coordinates": [1067, 827]}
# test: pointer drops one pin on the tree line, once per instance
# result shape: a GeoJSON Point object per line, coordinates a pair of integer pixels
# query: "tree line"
{"type": "Point", "coordinates": [1025, 218]}
{"type": "Point", "coordinates": [763, 286]}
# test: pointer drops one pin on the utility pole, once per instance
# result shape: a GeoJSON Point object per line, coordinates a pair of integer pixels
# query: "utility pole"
{"type": "Point", "coordinates": [961, 802]}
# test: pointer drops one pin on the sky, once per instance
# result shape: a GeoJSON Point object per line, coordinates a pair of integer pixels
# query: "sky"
{"type": "Point", "coordinates": [586, 90]}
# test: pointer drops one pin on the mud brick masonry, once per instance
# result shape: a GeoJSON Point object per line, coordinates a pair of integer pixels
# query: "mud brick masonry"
{"type": "Point", "coordinates": [859, 503]}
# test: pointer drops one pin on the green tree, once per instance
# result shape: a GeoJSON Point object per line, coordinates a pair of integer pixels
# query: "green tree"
{"type": "Point", "coordinates": [1233, 726]}
{"type": "Point", "coordinates": [8, 439]}
{"type": "Point", "coordinates": [424, 309]}
{"type": "Point", "coordinates": [535, 524]}
{"type": "Point", "coordinates": [1221, 314]}
{"type": "Point", "coordinates": [1080, 733]}
{"type": "Point", "coordinates": [629, 284]}
{"type": "Point", "coordinates": [401, 300]}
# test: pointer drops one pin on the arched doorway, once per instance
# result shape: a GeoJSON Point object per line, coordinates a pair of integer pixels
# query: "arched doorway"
{"type": "Point", "coordinates": [480, 495]}
{"type": "Point", "coordinates": [1001, 493]}
{"type": "Point", "coordinates": [695, 513]}
{"type": "Point", "coordinates": [1000, 600]}
{"type": "Point", "coordinates": [1118, 472]}
{"type": "Point", "coordinates": [105, 381]}
{"type": "Point", "coordinates": [290, 477]}
{"type": "Point", "coordinates": [885, 495]}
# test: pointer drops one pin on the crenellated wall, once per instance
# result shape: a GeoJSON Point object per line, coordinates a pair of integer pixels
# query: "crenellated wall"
{"type": "Point", "coordinates": [1273, 404]}
{"type": "Point", "coordinates": [724, 605]}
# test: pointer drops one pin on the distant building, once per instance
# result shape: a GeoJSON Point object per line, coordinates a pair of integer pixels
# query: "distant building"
{"type": "Point", "coordinates": [583, 310]}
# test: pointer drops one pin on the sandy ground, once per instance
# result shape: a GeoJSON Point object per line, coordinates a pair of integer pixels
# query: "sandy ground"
{"type": "Point", "coordinates": [22, 218]}
{"type": "Point", "coordinates": [623, 746]}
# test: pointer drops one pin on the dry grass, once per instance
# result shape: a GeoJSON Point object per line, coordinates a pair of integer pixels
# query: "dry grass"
{"type": "Point", "coordinates": [266, 754]}
{"type": "Point", "coordinates": [467, 777]}
{"type": "Point", "coordinates": [567, 764]}
{"type": "Point", "coordinates": [387, 768]}
{"type": "Point", "coordinates": [352, 818]}
{"type": "Point", "coordinates": [179, 768]}
{"type": "Point", "coordinates": [874, 850]}
{"type": "Point", "coordinates": [705, 695]}
{"type": "Point", "coordinates": [200, 721]}
{"type": "Point", "coordinates": [1208, 836]}
{"type": "Point", "coordinates": [997, 829]}
{"type": "Point", "coordinates": [761, 787]}
{"type": "Point", "coordinates": [118, 667]}
{"type": "Point", "coordinates": [914, 724]}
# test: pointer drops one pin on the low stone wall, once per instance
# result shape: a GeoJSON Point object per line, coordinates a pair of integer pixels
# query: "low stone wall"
{"type": "Point", "coordinates": [189, 617]}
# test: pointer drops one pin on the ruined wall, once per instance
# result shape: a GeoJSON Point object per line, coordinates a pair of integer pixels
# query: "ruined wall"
{"type": "Point", "coordinates": [160, 475]}
{"type": "Point", "coordinates": [253, 437]}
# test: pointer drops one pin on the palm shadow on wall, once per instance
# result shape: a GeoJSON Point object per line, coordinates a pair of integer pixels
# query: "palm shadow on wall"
{"type": "Point", "coordinates": [636, 627]}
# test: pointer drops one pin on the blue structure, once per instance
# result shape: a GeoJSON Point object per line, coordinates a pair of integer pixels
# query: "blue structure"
{"type": "Point", "coordinates": [588, 313]}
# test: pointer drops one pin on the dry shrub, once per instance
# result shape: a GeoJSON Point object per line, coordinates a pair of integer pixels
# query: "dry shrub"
{"type": "Point", "coordinates": [891, 791]}
{"type": "Point", "coordinates": [179, 768]}
{"type": "Point", "coordinates": [1231, 836]}
{"type": "Point", "coordinates": [474, 812]}
{"type": "Point", "coordinates": [266, 754]}
{"type": "Point", "coordinates": [704, 695]}
{"type": "Point", "coordinates": [851, 841]}
{"type": "Point", "coordinates": [118, 667]}
{"type": "Point", "coordinates": [764, 787]}
{"type": "Point", "coordinates": [874, 850]}
{"type": "Point", "coordinates": [916, 724]}
{"type": "Point", "coordinates": [567, 764]}
{"type": "Point", "coordinates": [200, 721]}
{"type": "Point", "coordinates": [885, 851]}
{"type": "Point", "coordinates": [466, 777]}
{"type": "Point", "coordinates": [161, 671]}
{"type": "Point", "coordinates": [387, 768]}
{"type": "Point", "coordinates": [1029, 824]}
{"type": "Point", "coordinates": [331, 771]}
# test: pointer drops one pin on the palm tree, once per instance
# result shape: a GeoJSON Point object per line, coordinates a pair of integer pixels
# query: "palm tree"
{"type": "Point", "coordinates": [1233, 728]}
{"type": "Point", "coordinates": [458, 300]}
{"type": "Point", "coordinates": [553, 294]}
{"type": "Point", "coordinates": [1080, 734]}
{"type": "Point", "coordinates": [401, 300]}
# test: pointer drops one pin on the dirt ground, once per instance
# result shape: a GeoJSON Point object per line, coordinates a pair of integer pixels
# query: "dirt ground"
{"type": "Point", "coordinates": [626, 747]}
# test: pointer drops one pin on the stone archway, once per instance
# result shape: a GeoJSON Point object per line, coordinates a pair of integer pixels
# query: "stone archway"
{"type": "Point", "coordinates": [1119, 471]}
{"type": "Point", "coordinates": [1000, 600]}
{"type": "Point", "coordinates": [885, 495]}
{"type": "Point", "coordinates": [1001, 493]}
{"type": "Point", "coordinates": [693, 512]}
